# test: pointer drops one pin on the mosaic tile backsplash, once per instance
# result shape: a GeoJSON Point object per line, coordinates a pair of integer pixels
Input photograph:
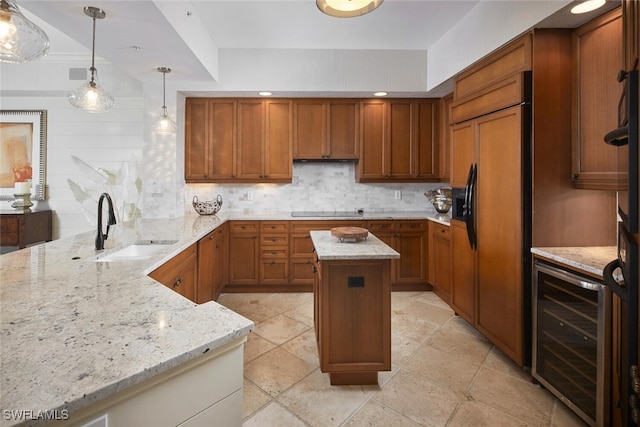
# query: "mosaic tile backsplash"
{"type": "Point", "coordinates": [316, 187]}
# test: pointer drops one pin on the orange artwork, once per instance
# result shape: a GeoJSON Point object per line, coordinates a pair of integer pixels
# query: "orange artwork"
{"type": "Point", "coordinates": [16, 148]}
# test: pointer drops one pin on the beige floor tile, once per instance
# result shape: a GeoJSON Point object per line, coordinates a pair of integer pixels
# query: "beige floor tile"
{"type": "Point", "coordinates": [449, 370]}
{"type": "Point", "coordinates": [320, 404]}
{"type": "Point", "coordinates": [521, 399]}
{"type": "Point", "coordinates": [256, 346]}
{"type": "Point", "coordinates": [302, 313]}
{"type": "Point", "coordinates": [285, 301]}
{"type": "Point", "coordinates": [305, 347]}
{"type": "Point", "coordinates": [399, 300]}
{"type": "Point", "coordinates": [565, 417]}
{"type": "Point", "coordinates": [458, 324]}
{"type": "Point", "coordinates": [255, 310]}
{"type": "Point", "coordinates": [431, 298]}
{"type": "Point", "coordinates": [252, 398]}
{"type": "Point", "coordinates": [473, 349]}
{"type": "Point", "coordinates": [476, 414]}
{"type": "Point", "coordinates": [374, 414]}
{"type": "Point", "coordinates": [411, 327]}
{"type": "Point", "coordinates": [497, 361]}
{"type": "Point", "coordinates": [402, 348]}
{"type": "Point", "coordinates": [273, 415]}
{"type": "Point", "coordinates": [276, 371]}
{"type": "Point", "coordinates": [418, 398]}
{"type": "Point", "coordinates": [280, 329]}
{"type": "Point", "coordinates": [428, 312]}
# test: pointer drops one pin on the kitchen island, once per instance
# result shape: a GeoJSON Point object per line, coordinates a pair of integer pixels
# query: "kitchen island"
{"type": "Point", "coordinates": [80, 337]}
{"type": "Point", "coordinates": [352, 307]}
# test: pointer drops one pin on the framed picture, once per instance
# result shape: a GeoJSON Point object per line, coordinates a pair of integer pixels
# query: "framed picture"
{"type": "Point", "coordinates": [23, 143]}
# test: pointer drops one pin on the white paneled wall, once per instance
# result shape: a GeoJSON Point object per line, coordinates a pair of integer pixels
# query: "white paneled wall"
{"type": "Point", "coordinates": [103, 140]}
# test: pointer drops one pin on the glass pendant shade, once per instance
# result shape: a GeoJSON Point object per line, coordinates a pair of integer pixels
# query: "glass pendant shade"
{"type": "Point", "coordinates": [164, 125]}
{"type": "Point", "coordinates": [91, 97]}
{"type": "Point", "coordinates": [347, 8]}
{"type": "Point", "coordinates": [20, 39]}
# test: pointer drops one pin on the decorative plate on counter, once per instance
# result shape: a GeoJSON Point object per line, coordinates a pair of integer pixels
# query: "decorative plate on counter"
{"type": "Point", "coordinates": [349, 234]}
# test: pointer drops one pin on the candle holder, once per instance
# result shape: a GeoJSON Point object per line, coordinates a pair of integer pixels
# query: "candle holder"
{"type": "Point", "coordinates": [22, 201]}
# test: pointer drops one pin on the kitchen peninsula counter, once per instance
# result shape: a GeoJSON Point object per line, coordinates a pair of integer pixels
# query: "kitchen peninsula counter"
{"type": "Point", "coordinates": [589, 260]}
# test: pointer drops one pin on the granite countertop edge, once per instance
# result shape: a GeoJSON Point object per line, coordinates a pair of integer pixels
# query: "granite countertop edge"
{"type": "Point", "coordinates": [590, 259]}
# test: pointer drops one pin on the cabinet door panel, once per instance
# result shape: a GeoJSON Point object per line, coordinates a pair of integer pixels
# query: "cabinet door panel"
{"type": "Point", "coordinates": [250, 131]}
{"type": "Point", "coordinates": [343, 121]}
{"type": "Point", "coordinates": [397, 154]}
{"type": "Point", "coordinates": [372, 136]}
{"type": "Point", "coordinates": [196, 139]}
{"type": "Point", "coordinates": [309, 129]}
{"type": "Point", "coordinates": [462, 153]}
{"type": "Point", "coordinates": [278, 144]}
{"type": "Point", "coordinates": [463, 277]}
{"type": "Point", "coordinates": [413, 257]}
{"type": "Point", "coordinates": [426, 140]}
{"type": "Point", "coordinates": [223, 138]}
{"type": "Point", "coordinates": [500, 252]}
{"type": "Point", "coordinates": [243, 259]}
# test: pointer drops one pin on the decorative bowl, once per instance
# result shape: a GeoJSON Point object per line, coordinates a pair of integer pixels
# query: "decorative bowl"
{"type": "Point", "coordinates": [210, 207]}
{"type": "Point", "coordinates": [440, 199]}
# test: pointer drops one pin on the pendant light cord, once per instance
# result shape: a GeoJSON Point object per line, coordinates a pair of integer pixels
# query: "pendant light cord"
{"type": "Point", "coordinates": [93, 54]}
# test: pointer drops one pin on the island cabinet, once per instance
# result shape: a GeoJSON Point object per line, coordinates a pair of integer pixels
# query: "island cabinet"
{"type": "Point", "coordinates": [238, 140]}
{"type": "Point", "coordinates": [326, 129]}
{"type": "Point", "coordinates": [302, 254]}
{"type": "Point", "coordinates": [597, 59]}
{"type": "Point", "coordinates": [180, 273]}
{"type": "Point", "coordinates": [398, 141]}
{"type": "Point", "coordinates": [440, 266]}
{"type": "Point", "coordinates": [410, 239]}
{"type": "Point", "coordinates": [352, 308]}
{"type": "Point", "coordinates": [212, 264]}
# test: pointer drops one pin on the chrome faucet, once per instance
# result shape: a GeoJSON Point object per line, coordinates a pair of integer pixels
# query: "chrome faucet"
{"type": "Point", "coordinates": [100, 238]}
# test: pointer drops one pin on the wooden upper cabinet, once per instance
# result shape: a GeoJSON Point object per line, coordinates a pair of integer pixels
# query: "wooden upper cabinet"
{"type": "Point", "coordinates": [397, 140]}
{"type": "Point", "coordinates": [230, 140]}
{"type": "Point", "coordinates": [631, 33]}
{"type": "Point", "coordinates": [597, 59]}
{"type": "Point", "coordinates": [462, 153]}
{"type": "Point", "coordinates": [444, 141]}
{"type": "Point", "coordinates": [325, 129]}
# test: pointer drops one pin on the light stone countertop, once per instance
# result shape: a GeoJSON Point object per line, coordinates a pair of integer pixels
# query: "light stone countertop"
{"type": "Point", "coordinates": [74, 331]}
{"type": "Point", "coordinates": [590, 260]}
{"type": "Point", "coordinates": [330, 248]}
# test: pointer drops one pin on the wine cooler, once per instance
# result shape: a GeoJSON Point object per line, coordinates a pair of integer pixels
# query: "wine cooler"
{"type": "Point", "coordinates": [571, 340]}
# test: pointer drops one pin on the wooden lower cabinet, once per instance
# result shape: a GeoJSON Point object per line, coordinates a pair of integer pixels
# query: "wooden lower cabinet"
{"type": "Point", "coordinates": [353, 323]}
{"type": "Point", "coordinates": [244, 252]}
{"type": "Point", "coordinates": [212, 264]}
{"type": "Point", "coordinates": [463, 277]}
{"type": "Point", "coordinates": [440, 264]}
{"type": "Point", "coordinates": [180, 273]}
{"type": "Point", "coordinates": [409, 238]}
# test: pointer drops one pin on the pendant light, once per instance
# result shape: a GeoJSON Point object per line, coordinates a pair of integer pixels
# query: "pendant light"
{"type": "Point", "coordinates": [164, 125]}
{"type": "Point", "coordinates": [91, 97]}
{"type": "Point", "coordinates": [347, 8]}
{"type": "Point", "coordinates": [20, 39]}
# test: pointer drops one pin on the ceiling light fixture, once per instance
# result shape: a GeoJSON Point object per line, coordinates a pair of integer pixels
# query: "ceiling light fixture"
{"type": "Point", "coordinates": [265, 93]}
{"type": "Point", "coordinates": [381, 94]}
{"type": "Point", "coordinates": [347, 8]}
{"type": "Point", "coordinates": [20, 39]}
{"type": "Point", "coordinates": [164, 125]}
{"type": "Point", "coordinates": [90, 97]}
{"type": "Point", "coordinates": [587, 6]}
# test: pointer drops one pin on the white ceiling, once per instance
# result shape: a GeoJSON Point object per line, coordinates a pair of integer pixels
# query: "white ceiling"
{"type": "Point", "coordinates": [157, 28]}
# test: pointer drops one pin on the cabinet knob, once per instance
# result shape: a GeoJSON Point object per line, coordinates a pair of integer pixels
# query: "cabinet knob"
{"type": "Point", "coordinates": [177, 282]}
{"type": "Point", "coordinates": [314, 269]}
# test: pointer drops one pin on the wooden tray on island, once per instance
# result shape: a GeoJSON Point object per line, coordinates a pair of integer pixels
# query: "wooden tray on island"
{"type": "Point", "coordinates": [350, 234]}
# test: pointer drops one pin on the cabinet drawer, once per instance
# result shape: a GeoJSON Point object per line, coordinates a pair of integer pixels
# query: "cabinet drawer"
{"type": "Point", "coordinates": [244, 227]}
{"type": "Point", "coordinates": [274, 226]}
{"type": "Point", "coordinates": [301, 244]}
{"type": "Point", "coordinates": [411, 225]}
{"type": "Point", "coordinates": [274, 271]}
{"type": "Point", "coordinates": [440, 230]}
{"type": "Point", "coordinates": [381, 226]}
{"type": "Point", "coordinates": [274, 239]}
{"type": "Point", "coordinates": [274, 252]}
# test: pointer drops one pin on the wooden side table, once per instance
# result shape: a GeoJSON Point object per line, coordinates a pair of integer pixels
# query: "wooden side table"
{"type": "Point", "coordinates": [21, 229]}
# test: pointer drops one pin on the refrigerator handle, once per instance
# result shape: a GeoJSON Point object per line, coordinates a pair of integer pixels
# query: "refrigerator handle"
{"type": "Point", "coordinates": [466, 208]}
{"type": "Point", "coordinates": [473, 239]}
{"type": "Point", "coordinates": [611, 282]}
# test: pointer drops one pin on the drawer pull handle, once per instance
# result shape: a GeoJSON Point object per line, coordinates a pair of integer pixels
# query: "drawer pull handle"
{"type": "Point", "coordinates": [177, 282]}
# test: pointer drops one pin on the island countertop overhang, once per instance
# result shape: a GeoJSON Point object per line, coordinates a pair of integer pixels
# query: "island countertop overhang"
{"type": "Point", "coordinates": [329, 247]}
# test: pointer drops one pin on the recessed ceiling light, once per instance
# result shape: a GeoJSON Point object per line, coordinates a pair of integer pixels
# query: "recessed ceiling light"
{"type": "Point", "coordinates": [381, 93]}
{"type": "Point", "coordinates": [347, 8]}
{"type": "Point", "coordinates": [265, 93]}
{"type": "Point", "coordinates": [587, 6]}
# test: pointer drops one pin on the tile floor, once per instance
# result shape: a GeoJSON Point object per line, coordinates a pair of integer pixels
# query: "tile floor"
{"type": "Point", "coordinates": [444, 373]}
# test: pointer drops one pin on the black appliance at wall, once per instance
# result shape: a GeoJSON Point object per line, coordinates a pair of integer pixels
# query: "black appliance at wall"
{"type": "Point", "coordinates": [625, 286]}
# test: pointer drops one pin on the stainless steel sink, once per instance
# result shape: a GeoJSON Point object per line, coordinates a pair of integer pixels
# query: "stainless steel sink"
{"type": "Point", "coordinates": [140, 250]}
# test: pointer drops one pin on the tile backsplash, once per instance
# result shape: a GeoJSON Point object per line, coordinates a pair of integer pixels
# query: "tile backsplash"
{"type": "Point", "coordinates": [316, 187]}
